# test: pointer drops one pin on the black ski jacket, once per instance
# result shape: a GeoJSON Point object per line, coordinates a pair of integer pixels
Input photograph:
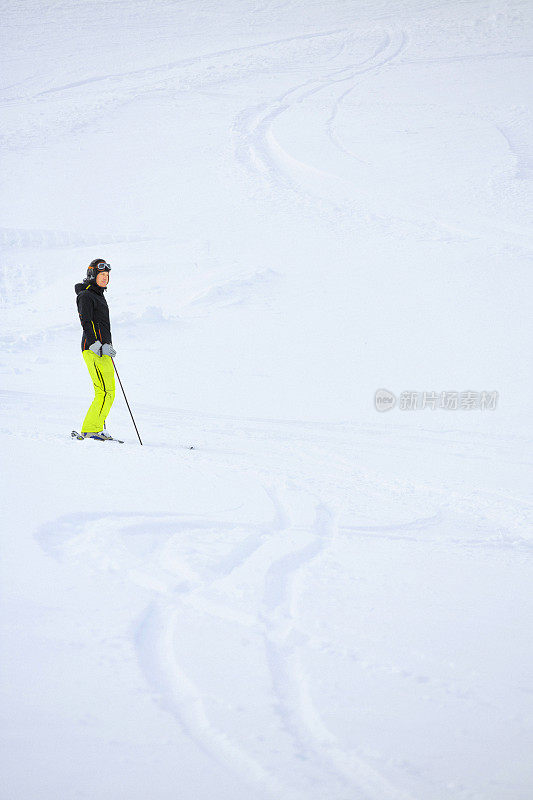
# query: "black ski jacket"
{"type": "Point", "coordinates": [94, 314]}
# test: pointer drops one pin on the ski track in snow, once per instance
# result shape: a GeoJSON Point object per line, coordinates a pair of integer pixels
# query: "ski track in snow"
{"type": "Point", "coordinates": [137, 546]}
{"type": "Point", "coordinates": [258, 148]}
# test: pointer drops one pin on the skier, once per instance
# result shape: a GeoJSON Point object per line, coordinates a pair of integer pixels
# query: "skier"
{"type": "Point", "coordinates": [97, 348]}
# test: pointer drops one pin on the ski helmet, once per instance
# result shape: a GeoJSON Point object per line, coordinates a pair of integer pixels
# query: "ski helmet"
{"type": "Point", "coordinates": [96, 266]}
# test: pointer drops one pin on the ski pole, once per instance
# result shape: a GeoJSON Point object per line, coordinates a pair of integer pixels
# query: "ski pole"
{"type": "Point", "coordinates": [126, 399]}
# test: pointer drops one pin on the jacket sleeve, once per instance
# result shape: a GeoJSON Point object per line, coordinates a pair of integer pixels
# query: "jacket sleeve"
{"type": "Point", "coordinates": [85, 310]}
{"type": "Point", "coordinates": [105, 331]}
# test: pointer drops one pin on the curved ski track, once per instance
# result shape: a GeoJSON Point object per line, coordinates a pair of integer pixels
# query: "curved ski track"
{"type": "Point", "coordinates": [157, 644]}
{"type": "Point", "coordinates": [143, 549]}
{"type": "Point", "coordinates": [258, 149]}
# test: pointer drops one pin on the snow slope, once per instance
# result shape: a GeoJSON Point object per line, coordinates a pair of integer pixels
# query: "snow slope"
{"type": "Point", "coordinates": [302, 203]}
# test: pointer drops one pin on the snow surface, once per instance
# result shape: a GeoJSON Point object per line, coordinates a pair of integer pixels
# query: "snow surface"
{"type": "Point", "coordinates": [302, 202]}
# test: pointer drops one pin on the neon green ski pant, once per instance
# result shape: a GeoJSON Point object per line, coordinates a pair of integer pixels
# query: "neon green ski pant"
{"type": "Point", "coordinates": [103, 377]}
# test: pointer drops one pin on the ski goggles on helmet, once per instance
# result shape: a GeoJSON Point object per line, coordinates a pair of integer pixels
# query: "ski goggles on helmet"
{"type": "Point", "coordinates": [103, 265]}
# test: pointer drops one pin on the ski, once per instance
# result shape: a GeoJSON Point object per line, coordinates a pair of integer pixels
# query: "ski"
{"type": "Point", "coordinates": [76, 435]}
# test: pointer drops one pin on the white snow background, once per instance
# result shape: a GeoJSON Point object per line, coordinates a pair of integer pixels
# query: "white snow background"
{"type": "Point", "coordinates": [302, 202]}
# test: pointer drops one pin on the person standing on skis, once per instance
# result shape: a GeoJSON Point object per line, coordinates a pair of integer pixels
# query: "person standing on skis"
{"type": "Point", "coordinates": [96, 346]}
